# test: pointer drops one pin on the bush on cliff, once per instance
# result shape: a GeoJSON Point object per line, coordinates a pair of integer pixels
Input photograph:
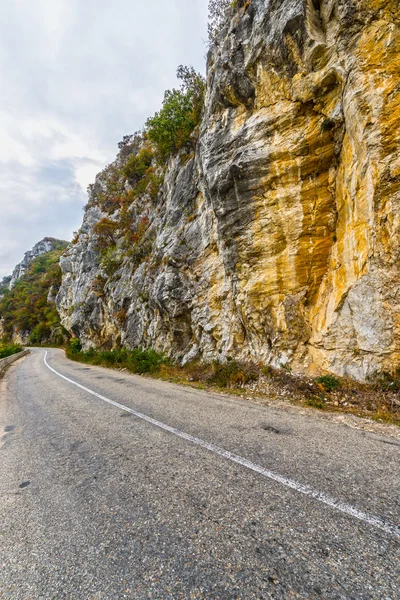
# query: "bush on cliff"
{"type": "Point", "coordinates": [172, 127]}
{"type": "Point", "coordinates": [105, 231]}
{"type": "Point", "coordinates": [137, 165]}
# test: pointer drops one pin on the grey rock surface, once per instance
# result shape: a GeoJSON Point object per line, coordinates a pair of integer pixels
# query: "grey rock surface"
{"type": "Point", "coordinates": [277, 240]}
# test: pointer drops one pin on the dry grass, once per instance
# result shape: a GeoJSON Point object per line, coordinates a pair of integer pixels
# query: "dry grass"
{"type": "Point", "coordinates": [375, 400]}
{"type": "Point", "coordinates": [378, 400]}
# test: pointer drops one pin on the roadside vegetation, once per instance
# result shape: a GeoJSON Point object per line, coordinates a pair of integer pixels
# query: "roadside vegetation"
{"type": "Point", "coordinates": [9, 349]}
{"type": "Point", "coordinates": [135, 361]}
{"type": "Point", "coordinates": [29, 309]}
{"type": "Point", "coordinates": [377, 400]}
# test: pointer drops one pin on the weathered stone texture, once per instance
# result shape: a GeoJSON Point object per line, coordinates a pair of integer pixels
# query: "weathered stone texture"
{"type": "Point", "coordinates": [279, 240]}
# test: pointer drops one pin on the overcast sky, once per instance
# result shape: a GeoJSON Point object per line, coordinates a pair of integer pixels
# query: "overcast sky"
{"type": "Point", "coordinates": [76, 76]}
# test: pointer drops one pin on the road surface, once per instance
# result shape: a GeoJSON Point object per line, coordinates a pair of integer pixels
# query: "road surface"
{"type": "Point", "coordinates": [116, 486]}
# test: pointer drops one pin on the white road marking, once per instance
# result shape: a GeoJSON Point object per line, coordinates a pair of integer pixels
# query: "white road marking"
{"type": "Point", "coordinates": [330, 501]}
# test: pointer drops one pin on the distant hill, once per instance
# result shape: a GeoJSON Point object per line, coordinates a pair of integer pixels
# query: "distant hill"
{"type": "Point", "coordinates": [28, 313]}
{"type": "Point", "coordinates": [47, 244]}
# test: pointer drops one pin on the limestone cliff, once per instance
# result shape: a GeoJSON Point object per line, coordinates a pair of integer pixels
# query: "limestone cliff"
{"type": "Point", "coordinates": [278, 240]}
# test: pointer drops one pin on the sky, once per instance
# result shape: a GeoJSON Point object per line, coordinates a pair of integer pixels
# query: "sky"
{"type": "Point", "coordinates": [76, 76]}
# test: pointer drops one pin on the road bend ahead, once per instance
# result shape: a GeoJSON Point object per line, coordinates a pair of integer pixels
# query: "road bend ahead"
{"type": "Point", "coordinates": [115, 486]}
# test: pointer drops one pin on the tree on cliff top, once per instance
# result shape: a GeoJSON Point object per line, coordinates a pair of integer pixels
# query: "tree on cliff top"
{"type": "Point", "coordinates": [171, 128]}
{"type": "Point", "coordinates": [218, 11]}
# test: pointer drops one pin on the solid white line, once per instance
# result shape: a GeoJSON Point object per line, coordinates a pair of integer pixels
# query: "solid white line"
{"type": "Point", "coordinates": [330, 501]}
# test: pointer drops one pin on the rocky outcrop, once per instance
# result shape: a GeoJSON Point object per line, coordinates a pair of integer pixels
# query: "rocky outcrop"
{"type": "Point", "coordinates": [279, 239]}
{"type": "Point", "coordinates": [46, 245]}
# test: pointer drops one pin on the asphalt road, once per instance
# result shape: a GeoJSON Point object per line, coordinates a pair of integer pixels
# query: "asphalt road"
{"type": "Point", "coordinates": [98, 503]}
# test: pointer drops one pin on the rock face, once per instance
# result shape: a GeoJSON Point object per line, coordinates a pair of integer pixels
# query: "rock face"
{"type": "Point", "coordinates": [46, 245]}
{"type": "Point", "coordinates": [279, 239]}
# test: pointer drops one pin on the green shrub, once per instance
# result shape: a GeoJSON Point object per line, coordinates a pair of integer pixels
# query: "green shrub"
{"type": "Point", "coordinates": [105, 231]}
{"type": "Point", "coordinates": [137, 165]}
{"type": "Point", "coordinates": [4, 285]}
{"type": "Point", "coordinates": [328, 382]}
{"type": "Point", "coordinates": [145, 361]}
{"type": "Point", "coordinates": [137, 361]}
{"type": "Point", "coordinates": [108, 190]}
{"type": "Point", "coordinates": [9, 349]}
{"type": "Point", "coordinates": [171, 128]}
{"type": "Point", "coordinates": [74, 346]}
{"type": "Point", "coordinates": [41, 332]}
{"type": "Point", "coordinates": [316, 402]}
{"type": "Point", "coordinates": [111, 260]}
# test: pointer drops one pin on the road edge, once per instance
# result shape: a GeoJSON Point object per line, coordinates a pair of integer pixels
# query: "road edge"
{"type": "Point", "coordinates": [6, 362]}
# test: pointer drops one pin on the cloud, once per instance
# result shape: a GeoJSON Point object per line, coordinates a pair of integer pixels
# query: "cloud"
{"type": "Point", "coordinates": [76, 77]}
{"type": "Point", "coordinates": [86, 173]}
